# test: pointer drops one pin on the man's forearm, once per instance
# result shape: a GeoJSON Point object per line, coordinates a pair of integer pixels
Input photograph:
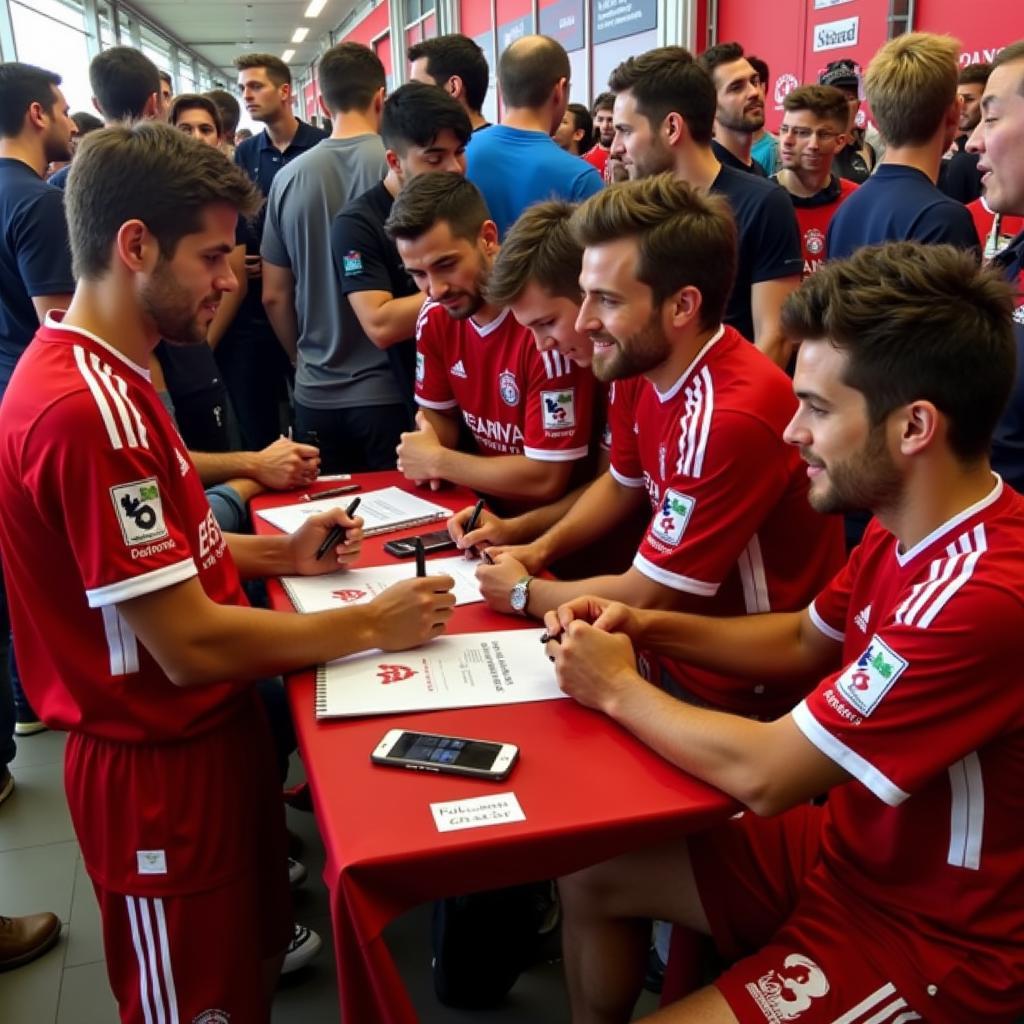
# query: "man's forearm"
{"type": "Point", "coordinates": [280, 310]}
{"type": "Point", "coordinates": [600, 507]}
{"type": "Point", "coordinates": [392, 321]}
{"type": "Point", "coordinates": [776, 346]}
{"type": "Point", "coordinates": [530, 525]}
{"type": "Point", "coordinates": [778, 645]}
{"type": "Point", "coordinates": [217, 467]}
{"type": "Point", "coordinates": [260, 557]}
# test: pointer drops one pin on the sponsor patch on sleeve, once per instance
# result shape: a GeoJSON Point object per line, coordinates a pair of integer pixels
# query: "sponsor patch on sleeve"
{"type": "Point", "coordinates": [558, 409]}
{"type": "Point", "coordinates": [352, 262]}
{"type": "Point", "coordinates": [140, 512]}
{"type": "Point", "coordinates": [421, 368]}
{"type": "Point", "coordinates": [867, 680]}
{"type": "Point", "coordinates": [672, 516]}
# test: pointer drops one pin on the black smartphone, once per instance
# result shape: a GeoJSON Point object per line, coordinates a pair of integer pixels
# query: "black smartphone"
{"type": "Point", "coordinates": [430, 752]}
{"type": "Point", "coordinates": [439, 540]}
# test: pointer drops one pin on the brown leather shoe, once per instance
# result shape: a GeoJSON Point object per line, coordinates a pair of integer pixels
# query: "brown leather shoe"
{"type": "Point", "coordinates": [22, 939]}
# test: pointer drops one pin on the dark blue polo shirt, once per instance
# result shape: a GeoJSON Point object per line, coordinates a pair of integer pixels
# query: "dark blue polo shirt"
{"type": "Point", "coordinates": [726, 157]}
{"type": "Point", "coordinates": [261, 159]}
{"type": "Point", "coordinates": [1008, 440]}
{"type": "Point", "coordinates": [769, 239]}
{"type": "Point", "coordinates": [899, 204]}
{"type": "Point", "coordinates": [34, 256]}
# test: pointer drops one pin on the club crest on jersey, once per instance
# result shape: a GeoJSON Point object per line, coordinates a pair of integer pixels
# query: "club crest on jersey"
{"type": "Point", "coordinates": [140, 512]}
{"type": "Point", "coordinates": [1018, 315]}
{"type": "Point", "coordinates": [508, 388]}
{"type": "Point", "coordinates": [421, 368]}
{"type": "Point", "coordinates": [871, 676]}
{"type": "Point", "coordinates": [559, 409]}
{"type": "Point", "coordinates": [394, 673]}
{"type": "Point", "coordinates": [674, 511]}
{"type": "Point", "coordinates": [212, 1017]}
{"type": "Point", "coordinates": [352, 262]}
{"type": "Point", "coordinates": [786, 994]}
{"type": "Point", "coordinates": [814, 240]}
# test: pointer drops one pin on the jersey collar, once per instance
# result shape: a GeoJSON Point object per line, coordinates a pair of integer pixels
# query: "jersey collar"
{"type": "Point", "coordinates": [674, 390]}
{"type": "Point", "coordinates": [951, 524]}
{"type": "Point", "coordinates": [54, 322]}
{"type": "Point", "coordinates": [490, 328]}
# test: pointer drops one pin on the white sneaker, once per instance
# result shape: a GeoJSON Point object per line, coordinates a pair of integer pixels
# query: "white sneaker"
{"type": "Point", "coordinates": [304, 946]}
{"type": "Point", "coordinates": [296, 872]}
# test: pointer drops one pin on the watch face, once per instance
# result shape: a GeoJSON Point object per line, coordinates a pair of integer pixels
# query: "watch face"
{"type": "Point", "coordinates": [518, 596]}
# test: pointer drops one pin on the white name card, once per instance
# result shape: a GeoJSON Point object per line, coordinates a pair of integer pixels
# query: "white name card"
{"type": "Point", "coordinates": [477, 812]}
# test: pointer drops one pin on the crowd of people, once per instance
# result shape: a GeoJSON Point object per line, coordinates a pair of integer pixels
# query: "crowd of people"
{"type": "Point", "coordinates": [747, 413]}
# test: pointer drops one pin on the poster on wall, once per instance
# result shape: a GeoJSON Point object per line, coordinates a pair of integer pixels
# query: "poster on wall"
{"type": "Point", "coordinates": [513, 30]}
{"type": "Point", "coordinates": [615, 19]}
{"type": "Point", "coordinates": [836, 35]}
{"type": "Point", "coordinates": [563, 21]}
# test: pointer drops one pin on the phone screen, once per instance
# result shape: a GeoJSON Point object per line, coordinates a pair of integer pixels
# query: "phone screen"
{"type": "Point", "coordinates": [444, 750]}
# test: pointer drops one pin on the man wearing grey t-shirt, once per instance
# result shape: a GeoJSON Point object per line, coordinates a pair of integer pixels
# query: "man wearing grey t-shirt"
{"type": "Point", "coordinates": [347, 400]}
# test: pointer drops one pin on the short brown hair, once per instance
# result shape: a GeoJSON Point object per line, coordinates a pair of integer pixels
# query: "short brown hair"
{"type": "Point", "coordinates": [541, 247]}
{"type": "Point", "coordinates": [193, 101]}
{"type": "Point", "coordinates": [916, 322]}
{"type": "Point", "coordinates": [684, 237]}
{"type": "Point", "coordinates": [350, 75]}
{"type": "Point", "coordinates": [911, 84]}
{"type": "Point", "coordinates": [1010, 55]}
{"type": "Point", "coordinates": [824, 101]}
{"type": "Point", "coordinates": [974, 74]}
{"type": "Point", "coordinates": [277, 71]}
{"type": "Point", "coordinates": [149, 172]}
{"type": "Point", "coordinates": [529, 69]}
{"type": "Point", "coordinates": [438, 196]}
{"type": "Point", "coordinates": [667, 80]}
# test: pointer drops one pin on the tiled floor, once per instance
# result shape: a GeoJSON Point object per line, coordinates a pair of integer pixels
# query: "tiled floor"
{"type": "Point", "coordinates": [40, 869]}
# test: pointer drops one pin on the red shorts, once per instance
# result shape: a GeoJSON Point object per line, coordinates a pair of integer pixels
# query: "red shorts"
{"type": "Point", "coordinates": [186, 847]}
{"type": "Point", "coordinates": [813, 962]}
{"type": "Point", "coordinates": [196, 958]}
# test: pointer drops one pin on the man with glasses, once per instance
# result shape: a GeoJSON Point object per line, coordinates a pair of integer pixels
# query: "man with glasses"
{"type": "Point", "coordinates": [813, 131]}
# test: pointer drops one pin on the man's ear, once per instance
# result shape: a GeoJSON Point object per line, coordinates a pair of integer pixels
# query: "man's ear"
{"type": "Point", "coordinates": [134, 246]}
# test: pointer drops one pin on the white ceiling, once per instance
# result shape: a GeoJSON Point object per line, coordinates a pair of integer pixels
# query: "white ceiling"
{"type": "Point", "coordinates": [220, 30]}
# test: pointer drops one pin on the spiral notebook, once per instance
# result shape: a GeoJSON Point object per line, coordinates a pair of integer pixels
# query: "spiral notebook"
{"type": "Point", "coordinates": [382, 511]}
{"type": "Point", "coordinates": [461, 671]}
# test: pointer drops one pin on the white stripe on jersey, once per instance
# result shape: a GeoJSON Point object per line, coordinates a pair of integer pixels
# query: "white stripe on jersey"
{"type": "Point", "coordinates": [555, 364]}
{"type": "Point", "coordinates": [151, 960]}
{"type": "Point", "coordinates": [883, 1016]}
{"type": "Point", "coordinates": [967, 812]}
{"type": "Point", "coordinates": [103, 372]}
{"type": "Point", "coordinates": [752, 576]}
{"type": "Point", "coordinates": [98, 397]}
{"type": "Point", "coordinates": [945, 577]}
{"type": "Point", "coordinates": [122, 645]}
{"type": "Point", "coordinates": [695, 426]}
{"type": "Point", "coordinates": [422, 318]}
{"type": "Point", "coordinates": [140, 425]}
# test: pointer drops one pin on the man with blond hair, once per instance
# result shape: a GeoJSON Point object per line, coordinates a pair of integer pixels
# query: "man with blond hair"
{"type": "Point", "coordinates": [911, 84]}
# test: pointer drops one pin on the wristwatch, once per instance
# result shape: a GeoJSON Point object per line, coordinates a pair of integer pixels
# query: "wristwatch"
{"type": "Point", "coordinates": [520, 595]}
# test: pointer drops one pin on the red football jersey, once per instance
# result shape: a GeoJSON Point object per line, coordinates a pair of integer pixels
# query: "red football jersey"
{"type": "Point", "coordinates": [597, 156]}
{"type": "Point", "coordinates": [514, 399]}
{"type": "Point", "coordinates": [101, 505]}
{"type": "Point", "coordinates": [995, 230]}
{"type": "Point", "coordinates": [732, 525]}
{"type": "Point", "coordinates": [928, 716]}
{"type": "Point", "coordinates": [813, 220]}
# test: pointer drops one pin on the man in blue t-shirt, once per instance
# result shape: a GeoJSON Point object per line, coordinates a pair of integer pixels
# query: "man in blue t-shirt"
{"type": "Point", "coordinates": [911, 85]}
{"type": "Point", "coordinates": [664, 111]}
{"type": "Point", "coordinates": [999, 142]}
{"type": "Point", "coordinates": [517, 163]}
{"type": "Point", "coordinates": [35, 277]}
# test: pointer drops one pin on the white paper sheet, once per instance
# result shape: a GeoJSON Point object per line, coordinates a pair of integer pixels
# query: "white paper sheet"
{"type": "Point", "coordinates": [461, 671]}
{"type": "Point", "coordinates": [477, 812]}
{"type": "Point", "coordinates": [388, 509]}
{"type": "Point", "coordinates": [360, 586]}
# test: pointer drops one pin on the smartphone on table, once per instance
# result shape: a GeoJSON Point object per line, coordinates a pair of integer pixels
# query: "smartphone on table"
{"type": "Point", "coordinates": [424, 751]}
{"type": "Point", "coordinates": [438, 540]}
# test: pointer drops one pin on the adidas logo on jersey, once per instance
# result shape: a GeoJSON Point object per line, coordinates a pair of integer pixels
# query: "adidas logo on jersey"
{"type": "Point", "coordinates": [860, 620]}
{"type": "Point", "coordinates": [182, 462]}
{"type": "Point", "coordinates": [458, 370]}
